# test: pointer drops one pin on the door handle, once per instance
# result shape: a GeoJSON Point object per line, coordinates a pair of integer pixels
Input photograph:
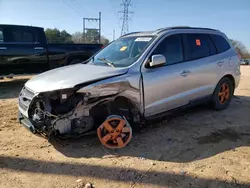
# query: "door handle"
{"type": "Point", "coordinates": [3, 48]}
{"type": "Point", "coordinates": [38, 48]}
{"type": "Point", "coordinates": [185, 73]}
{"type": "Point", "coordinates": [220, 63]}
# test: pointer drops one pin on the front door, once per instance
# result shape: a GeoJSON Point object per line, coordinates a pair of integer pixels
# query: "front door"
{"type": "Point", "coordinates": [165, 86]}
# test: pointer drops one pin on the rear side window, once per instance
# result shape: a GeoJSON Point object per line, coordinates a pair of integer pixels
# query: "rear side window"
{"type": "Point", "coordinates": [197, 46]}
{"type": "Point", "coordinates": [220, 43]}
{"type": "Point", "coordinates": [22, 35]}
{"type": "Point", "coordinates": [171, 48]}
{"type": "Point", "coordinates": [1, 35]}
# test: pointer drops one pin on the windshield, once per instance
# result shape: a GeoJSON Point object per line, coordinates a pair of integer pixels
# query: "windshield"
{"type": "Point", "coordinates": [122, 52]}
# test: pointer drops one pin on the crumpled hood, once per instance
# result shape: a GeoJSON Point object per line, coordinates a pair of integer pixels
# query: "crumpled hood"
{"type": "Point", "coordinates": [70, 76]}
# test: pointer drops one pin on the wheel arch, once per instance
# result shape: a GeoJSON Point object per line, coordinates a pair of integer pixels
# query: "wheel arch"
{"type": "Point", "coordinates": [117, 105]}
{"type": "Point", "coordinates": [124, 103]}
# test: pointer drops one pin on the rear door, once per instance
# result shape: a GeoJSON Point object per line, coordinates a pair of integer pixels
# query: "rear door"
{"type": "Point", "coordinates": [201, 63]}
{"type": "Point", "coordinates": [22, 51]}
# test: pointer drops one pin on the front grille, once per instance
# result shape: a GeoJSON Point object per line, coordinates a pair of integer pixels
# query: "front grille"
{"type": "Point", "coordinates": [25, 98]}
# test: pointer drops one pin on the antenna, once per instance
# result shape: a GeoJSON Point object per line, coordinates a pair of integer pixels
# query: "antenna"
{"type": "Point", "coordinates": [125, 16]}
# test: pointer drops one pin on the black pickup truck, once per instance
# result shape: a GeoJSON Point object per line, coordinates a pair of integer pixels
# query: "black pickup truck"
{"type": "Point", "coordinates": [24, 50]}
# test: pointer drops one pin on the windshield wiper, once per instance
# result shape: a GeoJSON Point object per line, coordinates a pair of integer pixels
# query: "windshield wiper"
{"type": "Point", "coordinates": [111, 64]}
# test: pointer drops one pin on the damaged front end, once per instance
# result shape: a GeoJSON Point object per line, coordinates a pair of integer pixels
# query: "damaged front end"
{"type": "Point", "coordinates": [78, 111]}
{"type": "Point", "coordinates": [57, 112]}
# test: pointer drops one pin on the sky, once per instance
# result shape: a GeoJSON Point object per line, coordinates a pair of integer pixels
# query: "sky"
{"type": "Point", "coordinates": [230, 16]}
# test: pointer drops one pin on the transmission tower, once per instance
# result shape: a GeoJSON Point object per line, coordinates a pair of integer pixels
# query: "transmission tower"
{"type": "Point", "coordinates": [125, 16]}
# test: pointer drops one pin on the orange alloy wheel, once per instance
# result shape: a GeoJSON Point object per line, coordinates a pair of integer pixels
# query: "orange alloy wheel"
{"type": "Point", "coordinates": [224, 93]}
{"type": "Point", "coordinates": [114, 132]}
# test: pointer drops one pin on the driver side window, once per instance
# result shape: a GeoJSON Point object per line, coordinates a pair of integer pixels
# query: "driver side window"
{"type": "Point", "coordinates": [171, 48]}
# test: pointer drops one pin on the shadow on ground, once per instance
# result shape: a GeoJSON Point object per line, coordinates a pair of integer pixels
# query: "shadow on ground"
{"type": "Point", "coordinates": [190, 135]}
{"type": "Point", "coordinates": [112, 173]}
{"type": "Point", "coordinates": [11, 88]}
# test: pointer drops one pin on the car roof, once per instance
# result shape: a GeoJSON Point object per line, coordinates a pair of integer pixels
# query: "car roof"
{"type": "Point", "coordinates": [162, 31]}
{"type": "Point", "coordinates": [11, 25]}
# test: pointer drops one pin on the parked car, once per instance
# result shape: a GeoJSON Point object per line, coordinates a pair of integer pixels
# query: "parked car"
{"type": "Point", "coordinates": [245, 62]}
{"type": "Point", "coordinates": [24, 50]}
{"type": "Point", "coordinates": [242, 62]}
{"type": "Point", "coordinates": [140, 76]}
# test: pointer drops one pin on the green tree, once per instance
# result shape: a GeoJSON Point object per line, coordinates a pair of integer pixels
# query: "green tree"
{"type": "Point", "coordinates": [65, 37]}
{"type": "Point", "coordinates": [57, 36]}
{"type": "Point", "coordinates": [91, 36]}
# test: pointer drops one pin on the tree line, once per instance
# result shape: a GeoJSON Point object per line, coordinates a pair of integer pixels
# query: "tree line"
{"type": "Point", "coordinates": [241, 49]}
{"type": "Point", "coordinates": [57, 36]}
{"type": "Point", "coordinates": [92, 36]}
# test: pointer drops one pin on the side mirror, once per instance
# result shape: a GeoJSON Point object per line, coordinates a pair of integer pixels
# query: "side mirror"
{"type": "Point", "coordinates": [157, 60]}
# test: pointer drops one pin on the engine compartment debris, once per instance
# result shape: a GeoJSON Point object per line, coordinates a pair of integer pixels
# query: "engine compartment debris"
{"type": "Point", "coordinates": [70, 113]}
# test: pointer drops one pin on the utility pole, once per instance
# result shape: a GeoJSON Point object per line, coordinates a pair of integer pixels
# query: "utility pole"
{"type": "Point", "coordinates": [125, 16]}
{"type": "Point", "coordinates": [100, 15]}
{"type": "Point", "coordinates": [85, 29]}
{"type": "Point", "coordinates": [113, 34]}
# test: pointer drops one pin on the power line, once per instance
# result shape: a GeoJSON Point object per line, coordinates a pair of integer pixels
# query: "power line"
{"type": "Point", "coordinates": [72, 7]}
{"type": "Point", "coordinates": [125, 16]}
{"type": "Point", "coordinates": [78, 5]}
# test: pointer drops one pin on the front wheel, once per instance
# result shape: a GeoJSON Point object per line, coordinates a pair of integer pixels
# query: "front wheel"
{"type": "Point", "coordinates": [223, 94]}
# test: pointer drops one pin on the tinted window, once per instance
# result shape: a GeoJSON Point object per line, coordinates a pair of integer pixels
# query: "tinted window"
{"type": "Point", "coordinates": [21, 35]}
{"type": "Point", "coordinates": [220, 43]}
{"type": "Point", "coordinates": [196, 46]}
{"type": "Point", "coordinates": [212, 48]}
{"type": "Point", "coordinates": [171, 48]}
{"type": "Point", "coordinates": [1, 35]}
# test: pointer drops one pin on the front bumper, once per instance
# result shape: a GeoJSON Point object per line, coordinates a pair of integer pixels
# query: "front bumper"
{"type": "Point", "coordinates": [26, 122]}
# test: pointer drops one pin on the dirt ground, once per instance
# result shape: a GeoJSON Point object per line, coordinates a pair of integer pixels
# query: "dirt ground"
{"type": "Point", "coordinates": [196, 148]}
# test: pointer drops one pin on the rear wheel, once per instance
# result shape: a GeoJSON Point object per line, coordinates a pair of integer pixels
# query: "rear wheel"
{"type": "Point", "coordinates": [223, 94]}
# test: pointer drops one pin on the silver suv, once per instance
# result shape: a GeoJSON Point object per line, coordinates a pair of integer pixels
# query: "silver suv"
{"type": "Point", "coordinates": [139, 76]}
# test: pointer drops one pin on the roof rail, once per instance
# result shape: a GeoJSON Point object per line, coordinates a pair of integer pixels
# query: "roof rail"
{"type": "Point", "coordinates": [130, 33]}
{"type": "Point", "coordinates": [180, 27]}
{"type": "Point", "coordinates": [169, 28]}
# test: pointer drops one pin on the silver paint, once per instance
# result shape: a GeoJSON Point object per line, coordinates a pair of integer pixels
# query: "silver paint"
{"type": "Point", "coordinates": [151, 90]}
{"type": "Point", "coordinates": [70, 76]}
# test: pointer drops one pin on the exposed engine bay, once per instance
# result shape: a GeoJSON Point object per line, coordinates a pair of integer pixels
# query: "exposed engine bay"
{"type": "Point", "coordinates": [61, 112]}
{"type": "Point", "coordinates": [66, 112]}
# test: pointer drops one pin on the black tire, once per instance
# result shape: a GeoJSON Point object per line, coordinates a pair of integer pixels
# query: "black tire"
{"type": "Point", "coordinates": [222, 102]}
